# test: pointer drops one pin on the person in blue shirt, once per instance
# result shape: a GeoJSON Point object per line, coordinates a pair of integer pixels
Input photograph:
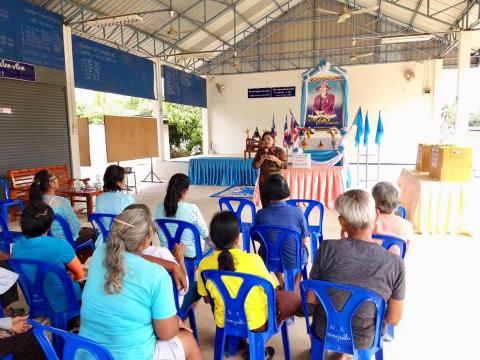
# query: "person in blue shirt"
{"type": "Point", "coordinates": [113, 201]}
{"type": "Point", "coordinates": [280, 214]}
{"type": "Point", "coordinates": [37, 218]}
{"type": "Point", "coordinates": [127, 303]}
{"type": "Point", "coordinates": [43, 188]}
{"type": "Point", "coordinates": [176, 207]}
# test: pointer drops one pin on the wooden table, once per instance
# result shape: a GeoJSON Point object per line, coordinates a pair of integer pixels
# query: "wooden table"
{"type": "Point", "coordinates": [87, 193]}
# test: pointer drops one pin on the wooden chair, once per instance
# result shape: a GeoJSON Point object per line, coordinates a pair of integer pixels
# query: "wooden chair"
{"type": "Point", "coordinates": [251, 145]}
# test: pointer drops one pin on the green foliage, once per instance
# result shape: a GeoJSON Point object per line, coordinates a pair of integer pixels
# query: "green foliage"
{"type": "Point", "coordinates": [185, 129]}
{"type": "Point", "coordinates": [108, 104]}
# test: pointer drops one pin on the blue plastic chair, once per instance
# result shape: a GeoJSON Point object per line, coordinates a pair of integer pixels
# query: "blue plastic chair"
{"type": "Point", "coordinates": [316, 231]}
{"type": "Point", "coordinates": [7, 237]}
{"type": "Point", "coordinates": [185, 313]}
{"type": "Point", "coordinates": [178, 227]}
{"type": "Point", "coordinates": [35, 295]}
{"type": "Point", "coordinates": [402, 212]}
{"type": "Point", "coordinates": [236, 319]}
{"type": "Point", "coordinates": [339, 337]}
{"type": "Point", "coordinates": [67, 233]}
{"type": "Point", "coordinates": [273, 237]}
{"type": "Point", "coordinates": [229, 203]}
{"type": "Point", "coordinates": [7, 201]}
{"type": "Point", "coordinates": [389, 241]}
{"type": "Point", "coordinates": [72, 344]}
{"type": "Point", "coordinates": [99, 221]}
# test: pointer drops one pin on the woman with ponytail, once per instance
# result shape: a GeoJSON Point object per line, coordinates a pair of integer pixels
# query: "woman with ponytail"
{"type": "Point", "coordinates": [128, 303]}
{"type": "Point", "coordinates": [176, 207]}
{"type": "Point", "coordinates": [225, 234]}
{"type": "Point", "coordinates": [43, 188]}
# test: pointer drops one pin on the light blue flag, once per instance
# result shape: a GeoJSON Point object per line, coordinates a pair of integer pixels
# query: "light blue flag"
{"type": "Point", "coordinates": [366, 134]}
{"type": "Point", "coordinates": [380, 131]}
{"type": "Point", "coordinates": [358, 122]}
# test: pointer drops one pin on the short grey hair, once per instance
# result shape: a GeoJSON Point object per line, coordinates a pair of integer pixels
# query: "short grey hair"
{"type": "Point", "coordinates": [386, 196]}
{"type": "Point", "coordinates": [357, 208]}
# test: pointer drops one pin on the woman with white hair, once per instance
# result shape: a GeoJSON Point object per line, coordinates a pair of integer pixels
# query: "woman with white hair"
{"type": "Point", "coordinates": [387, 200]}
{"type": "Point", "coordinates": [358, 260]}
{"type": "Point", "coordinates": [128, 303]}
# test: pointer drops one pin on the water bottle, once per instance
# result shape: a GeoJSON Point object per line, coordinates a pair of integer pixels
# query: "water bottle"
{"type": "Point", "coordinates": [98, 183]}
{"type": "Point", "coordinates": [78, 187]}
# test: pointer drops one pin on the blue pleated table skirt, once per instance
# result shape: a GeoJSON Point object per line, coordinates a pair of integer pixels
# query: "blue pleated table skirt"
{"type": "Point", "coordinates": [222, 171]}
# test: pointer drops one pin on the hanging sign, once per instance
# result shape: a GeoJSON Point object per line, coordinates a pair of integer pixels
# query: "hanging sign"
{"type": "Point", "coordinates": [16, 70]}
{"type": "Point", "coordinates": [285, 91]}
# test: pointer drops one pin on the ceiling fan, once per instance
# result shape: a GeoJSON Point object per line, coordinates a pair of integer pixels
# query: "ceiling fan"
{"type": "Point", "coordinates": [172, 31]}
{"type": "Point", "coordinates": [354, 56]}
{"type": "Point", "coordinates": [346, 12]}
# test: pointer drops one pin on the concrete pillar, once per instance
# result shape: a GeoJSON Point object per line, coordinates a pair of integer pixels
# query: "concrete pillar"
{"type": "Point", "coordinates": [158, 113]}
{"type": "Point", "coordinates": [464, 51]}
{"type": "Point", "coordinates": [71, 106]}
{"type": "Point", "coordinates": [436, 101]}
{"type": "Point", "coordinates": [205, 137]}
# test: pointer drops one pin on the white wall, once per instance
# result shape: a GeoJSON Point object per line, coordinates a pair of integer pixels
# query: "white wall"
{"type": "Point", "coordinates": [407, 111]}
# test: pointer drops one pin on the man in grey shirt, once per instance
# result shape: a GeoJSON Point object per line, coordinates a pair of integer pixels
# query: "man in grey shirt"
{"type": "Point", "coordinates": [358, 261]}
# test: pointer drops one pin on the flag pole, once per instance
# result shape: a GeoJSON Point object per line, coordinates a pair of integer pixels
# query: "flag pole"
{"type": "Point", "coordinates": [366, 168]}
{"type": "Point", "coordinates": [378, 163]}
{"type": "Point", "coordinates": [358, 165]}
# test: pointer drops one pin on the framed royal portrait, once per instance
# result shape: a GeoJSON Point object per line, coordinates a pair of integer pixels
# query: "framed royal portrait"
{"type": "Point", "coordinates": [324, 101]}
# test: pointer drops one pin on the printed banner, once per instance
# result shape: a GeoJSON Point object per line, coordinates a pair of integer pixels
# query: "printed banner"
{"type": "Point", "coordinates": [16, 70]}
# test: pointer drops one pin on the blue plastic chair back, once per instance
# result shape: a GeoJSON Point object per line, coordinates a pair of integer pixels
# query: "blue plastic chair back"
{"type": "Point", "coordinates": [183, 314]}
{"type": "Point", "coordinates": [402, 212]}
{"type": "Point", "coordinates": [235, 321]}
{"type": "Point", "coordinates": [7, 200]}
{"type": "Point", "coordinates": [339, 336]}
{"type": "Point", "coordinates": [74, 345]}
{"type": "Point", "coordinates": [35, 295]}
{"type": "Point", "coordinates": [273, 238]}
{"type": "Point", "coordinates": [229, 203]}
{"type": "Point", "coordinates": [100, 221]}
{"type": "Point", "coordinates": [389, 241]}
{"type": "Point", "coordinates": [6, 238]}
{"type": "Point", "coordinates": [316, 231]}
{"type": "Point", "coordinates": [67, 233]}
{"type": "Point", "coordinates": [173, 230]}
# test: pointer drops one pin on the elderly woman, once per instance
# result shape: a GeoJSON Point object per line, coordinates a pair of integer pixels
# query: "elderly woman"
{"type": "Point", "coordinates": [270, 160]}
{"type": "Point", "coordinates": [17, 340]}
{"type": "Point", "coordinates": [128, 303]}
{"type": "Point", "coordinates": [324, 102]}
{"type": "Point", "coordinates": [357, 260]}
{"type": "Point", "coordinates": [387, 200]}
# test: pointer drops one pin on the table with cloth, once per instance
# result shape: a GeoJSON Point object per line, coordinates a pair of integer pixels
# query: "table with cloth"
{"type": "Point", "coordinates": [226, 171]}
{"type": "Point", "coordinates": [321, 183]}
{"type": "Point", "coordinates": [438, 207]}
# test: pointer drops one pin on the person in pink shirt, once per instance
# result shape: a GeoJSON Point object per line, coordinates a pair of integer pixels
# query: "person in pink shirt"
{"type": "Point", "coordinates": [387, 200]}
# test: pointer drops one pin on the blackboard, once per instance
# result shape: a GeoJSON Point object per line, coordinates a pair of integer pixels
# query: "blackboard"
{"type": "Point", "coordinates": [30, 34]}
{"type": "Point", "coordinates": [184, 88]}
{"type": "Point", "coordinates": [102, 68]}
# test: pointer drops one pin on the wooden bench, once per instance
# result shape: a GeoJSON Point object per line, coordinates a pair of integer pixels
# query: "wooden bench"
{"type": "Point", "coordinates": [21, 179]}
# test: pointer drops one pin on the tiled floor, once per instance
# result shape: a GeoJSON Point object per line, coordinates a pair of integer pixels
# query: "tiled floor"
{"type": "Point", "coordinates": [441, 309]}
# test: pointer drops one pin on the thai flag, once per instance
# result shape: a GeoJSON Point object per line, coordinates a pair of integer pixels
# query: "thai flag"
{"type": "Point", "coordinates": [274, 128]}
{"type": "Point", "coordinates": [286, 134]}
{"type": "Point", "coordinates": [293, 128]}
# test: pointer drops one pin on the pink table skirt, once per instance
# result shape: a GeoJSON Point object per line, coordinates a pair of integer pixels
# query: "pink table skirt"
{"type": "Point", "coordinates": [321, 183]}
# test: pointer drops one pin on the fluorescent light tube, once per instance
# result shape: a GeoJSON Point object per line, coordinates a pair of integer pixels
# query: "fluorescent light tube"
{"type": "Point", "coordinates": [406, 38]}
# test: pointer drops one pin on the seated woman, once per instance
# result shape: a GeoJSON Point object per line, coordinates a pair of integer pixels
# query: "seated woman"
{"type": "Point", "coordinates": [112, 200]}
{"type": "Point", "coordinates": [128, 304]}
{"type": "Point", "coordinates": [37, 218]}
{"type": "Point", "coordinates": [387, 200]}
{"type": "Point", "coordinates": [175, 207]}
{"type": "Point", "coordinates": [225, 233]}
{"type": "Point", "coordinates": [277, 191]}
{"type": "Point", "coordinates": [16, 340]}
{"type": "Point", "coordinates": [43, 189]}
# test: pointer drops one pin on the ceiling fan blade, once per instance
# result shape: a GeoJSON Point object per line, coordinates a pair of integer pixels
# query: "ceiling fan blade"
{"type": "Point", "coordinates": [364, 11]}
{"type": "Point", "coordinates": [325, 11]}
{"type": "Point", "coordinates": [359, 56]}
{"type": "Point", "coordinates": [343, 17]}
